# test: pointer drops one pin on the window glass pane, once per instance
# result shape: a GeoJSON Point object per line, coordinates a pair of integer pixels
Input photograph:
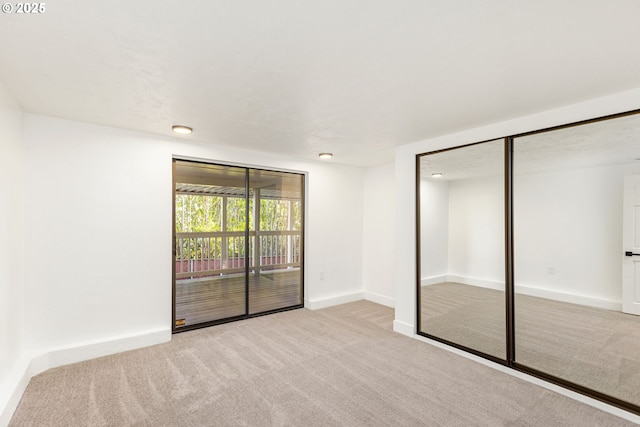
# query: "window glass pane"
{"type": "Point", "coordinates": [210, 219]}
{"type": "Point", "coordinates": [275, 275]}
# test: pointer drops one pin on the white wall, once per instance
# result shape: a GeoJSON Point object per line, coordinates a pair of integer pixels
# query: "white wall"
{"type": "Point", "coordinates": [405, 182]}
{"type": "Point", "coordinates": [11, 248]}
{"type": "Point", "coordinates": [580, 211]}
{"type": "Point", "coordinates": [378, 226]}
{"type": "Point", "coordinates": [434, 230]}
{"type": "Point", "coordinates": [462, 231]}
{"type": "Point", "coordinates": [476, 229]}
{"type": "Point", "coordinates": [568, 233]}
{"type": "Point", "coordinates": [334, 234]}
{"type": "Point", "coordinates": [99, 230]}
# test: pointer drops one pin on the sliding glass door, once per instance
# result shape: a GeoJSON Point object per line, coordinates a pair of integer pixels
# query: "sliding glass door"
{"type": "Point", "coordinates": [238, 246]}
{"type": "Point", "coordinates": [275, 274]}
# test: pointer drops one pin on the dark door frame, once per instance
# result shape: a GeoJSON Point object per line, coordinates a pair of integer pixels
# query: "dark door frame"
{"type": "Point", "coordinates": [247, 314]}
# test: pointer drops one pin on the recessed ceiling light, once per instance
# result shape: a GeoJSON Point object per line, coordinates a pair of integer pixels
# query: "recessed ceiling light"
{"type": "Point", "coordinates": [185, 130]}
{"type": "Point", "coordinates": [437, 175]}
{"type": "Point", "coordinates": [325, 155]}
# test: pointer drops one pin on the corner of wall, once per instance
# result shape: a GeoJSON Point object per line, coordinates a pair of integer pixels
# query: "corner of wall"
{"type": "Point", "coordinates": [11, 254]}
{"type": "Point", "coordinates": [404, 328]}
{"type": "Point", "coordinates": [30, 365]}
{"type": "Point", "coordinates": [317, 304]}
{"type": "Point", "coordinates": [378, 234]}
{"type": "Point", "coordinates": [13, 386]}
{"type": "Point", "coordinates": [380, 299]}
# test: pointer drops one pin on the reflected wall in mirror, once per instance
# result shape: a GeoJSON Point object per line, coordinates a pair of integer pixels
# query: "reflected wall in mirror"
{"type": "Point", "coordinates": [573, 222]}
{"type": "Point", "coordinates": [461, 223]}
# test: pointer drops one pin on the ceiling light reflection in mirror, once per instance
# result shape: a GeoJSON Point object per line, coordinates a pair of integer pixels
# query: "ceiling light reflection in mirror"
{"type": "Point", "coordinates": [462, 247]}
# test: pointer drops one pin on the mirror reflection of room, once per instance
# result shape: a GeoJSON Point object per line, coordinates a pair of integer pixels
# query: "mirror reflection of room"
{"type": "Point", "coordinates": [462, 247]}
{"type": "Point", "coordinates": [577, 302]}
{"type": "Point", "coordinates": [576, 253]}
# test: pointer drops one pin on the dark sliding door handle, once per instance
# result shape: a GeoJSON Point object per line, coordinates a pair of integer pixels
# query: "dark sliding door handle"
{"type": "Point", "coordinates": [630, 254]}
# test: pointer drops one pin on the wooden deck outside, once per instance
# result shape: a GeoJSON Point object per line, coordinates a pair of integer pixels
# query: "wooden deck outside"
{"type": "Point", "coordinates": [220, 297]}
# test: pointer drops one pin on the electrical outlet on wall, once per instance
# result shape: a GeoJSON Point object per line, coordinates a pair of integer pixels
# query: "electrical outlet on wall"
{"type": "Point", "coordinates": [551, 270]}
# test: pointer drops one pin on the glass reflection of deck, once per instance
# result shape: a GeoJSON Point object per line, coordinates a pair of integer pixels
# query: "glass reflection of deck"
{"type": "Point", "coordinates": [212, 298]}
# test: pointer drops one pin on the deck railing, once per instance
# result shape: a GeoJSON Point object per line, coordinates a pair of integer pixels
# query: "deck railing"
{"type": "Point", "coordinates": [224, 252]}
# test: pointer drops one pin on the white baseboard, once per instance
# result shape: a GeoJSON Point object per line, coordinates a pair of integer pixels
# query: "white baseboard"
{"type": "Point", "coordinates": [533, 291]}
{"type": "Point", "coordinates": [32, 364]}
{"type": "Point", "coordinates": [91, 350]}
{"type": "Point", "coordinates": [12, 389]}
{"type": "Point", "coordinates": [473, 281]}
{"type": "Point", "coordinates": [432, 280]}
{"type": "Point", "coordinates": [483, 283]}
{"type": "Point", "coordinates": [404, 328]}
{"type": "Point", "coordinates": [380, 299]}
{"type": "Point", "coordinates": [317, 304]}
{"type": "Point", "coordinates": [568, 297]}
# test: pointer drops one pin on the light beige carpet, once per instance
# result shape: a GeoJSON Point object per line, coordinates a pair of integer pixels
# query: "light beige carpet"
{"type": "Point", "coordinates": [340, 366]}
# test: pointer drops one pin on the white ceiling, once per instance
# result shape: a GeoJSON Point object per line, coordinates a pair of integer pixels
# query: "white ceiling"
{"type": "Point", "coordinates": [609, 142]}
{"type": "Point", "coordinates": [354, 77]}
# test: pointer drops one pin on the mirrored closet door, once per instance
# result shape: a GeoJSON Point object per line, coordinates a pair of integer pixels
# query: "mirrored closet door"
{"type": "Point", "coordinates": [529, 253]}
{"type": "Point", "coordinates": [576, 193]}
{"type": "Point", "coordinates": [461, 208]}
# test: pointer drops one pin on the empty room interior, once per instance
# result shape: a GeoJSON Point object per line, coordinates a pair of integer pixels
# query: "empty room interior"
{"type": "Point", "coordinates": [320, 213]}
